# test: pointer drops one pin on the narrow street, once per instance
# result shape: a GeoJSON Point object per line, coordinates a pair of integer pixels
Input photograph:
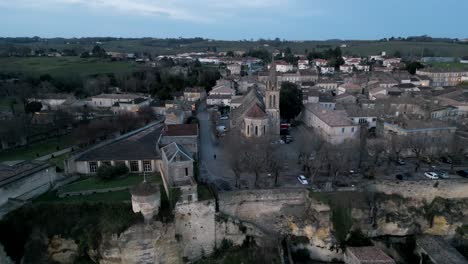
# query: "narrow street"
{"type": "Point", "coordinates": [213, 171]}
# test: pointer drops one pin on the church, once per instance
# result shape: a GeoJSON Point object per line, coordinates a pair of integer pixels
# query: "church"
{"type": "Point", "coordinates": [258, 114]}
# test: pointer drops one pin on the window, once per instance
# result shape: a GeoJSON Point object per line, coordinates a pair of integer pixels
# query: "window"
{"type": "Point", "coordinates": [147, 166]}
{"type": "Point", "coordinates": [256, 130]}
{"type": "Point", "coordinates": [186, 171]}
{"type": "Point", "coordinates": [342, 130]}
{"type": "Point", "coordinates": [134, 166]}
{"type": "Point", "coordinates": [352, 129]}
{"type": "Point", "coordinates": [107, 163]}
{"type": "Point", "coordinates": [119, 163]}
{"type": "Point", "coordinates": [248, 130]}
{"type": "Point", "coordinates": [92, 166]}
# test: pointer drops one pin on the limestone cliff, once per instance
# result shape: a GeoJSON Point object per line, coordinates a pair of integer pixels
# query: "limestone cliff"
{"type": "Point", "coordinates": [154, 243]}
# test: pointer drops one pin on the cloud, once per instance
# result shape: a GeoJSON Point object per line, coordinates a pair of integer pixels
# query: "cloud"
{"type": "Point", "coordinates": [190, 10]}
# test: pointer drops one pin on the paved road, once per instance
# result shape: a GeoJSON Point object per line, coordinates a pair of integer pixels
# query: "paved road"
{"type": "Point", "coordinates": [214, 171]}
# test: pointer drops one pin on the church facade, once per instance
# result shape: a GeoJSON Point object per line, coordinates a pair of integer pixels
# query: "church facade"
{"type": "Point", "coordinates": [258, 114]}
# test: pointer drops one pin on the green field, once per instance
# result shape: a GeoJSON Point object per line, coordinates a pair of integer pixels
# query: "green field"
{"type": "Point", "coordinates": [60, 67]}
{"type": "Point", "coordinates": [94, 183]}
{"type": "Point", "coordinates": [42, 148]}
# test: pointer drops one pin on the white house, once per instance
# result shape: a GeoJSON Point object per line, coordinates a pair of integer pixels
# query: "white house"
{"type": "Point", "coordinates": [327, 70]}
{"type": "Point", "coordinates": [303, 64]}
{"type": "Point", "coordinates": [108, 100]}
{"type": "Point", "coordinates": [320, 62]}
{"type": "Point", "coordinates": [282, 66]}
{"type": "Point", "coordinates": [234, 68]}
{"type": "Point", "coordinates": [346, 68]}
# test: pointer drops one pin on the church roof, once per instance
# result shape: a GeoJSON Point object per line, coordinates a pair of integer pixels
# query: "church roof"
{"type": "Point", "coordinates": [256, 112]}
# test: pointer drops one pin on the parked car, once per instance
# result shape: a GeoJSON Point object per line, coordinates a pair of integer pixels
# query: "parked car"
{"type": "Point", "coordinates": [400, 162]}
{"type": "Point", "coordinates": [442, 174]}
{"type": "Point", "coordinates": [224, 118]}
{"type": "Point", "coordinates": [463, 173]}
{"type": "Point", "coordinates": [431, 175]}
{"type": "Point", "coordinates": [446, 160]}
{"type": "Point", "coordinates": [302, 179]}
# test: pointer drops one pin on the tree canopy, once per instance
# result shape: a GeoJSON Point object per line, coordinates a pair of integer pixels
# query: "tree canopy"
{"type": "Point", "coordinates": [290, 100]}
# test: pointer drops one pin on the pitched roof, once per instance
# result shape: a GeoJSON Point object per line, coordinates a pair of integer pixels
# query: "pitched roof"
{"type": "Point", "coordinates": [330, 117]}
{"type": "Point", "coordinates": [175, 152]}
{"type": "Point", "coordinates": [180, 130]}
{"type": "Point", "coordinates": [256, 112]}
{"type": "Point", "coordinates": [139, 146]}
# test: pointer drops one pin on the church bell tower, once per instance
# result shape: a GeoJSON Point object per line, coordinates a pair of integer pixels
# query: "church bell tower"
{"type": "Point", "coordinates": [272, 101]}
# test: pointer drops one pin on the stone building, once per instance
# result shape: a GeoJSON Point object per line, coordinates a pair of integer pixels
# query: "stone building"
{"type": "Point", "coordinates": [137, 150]}
{"type": "Point", "coordinates": [444, 77]}
{"type": "Point", "coordinates": [334, 126]}
{"type": "Point", "coordinates": [177, 172]}
{"type": "Point", "coordinates": [185, 135]}
{"type": "Point", "coordinates": [108, 100]}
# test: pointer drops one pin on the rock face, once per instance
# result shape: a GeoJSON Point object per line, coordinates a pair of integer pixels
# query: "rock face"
{"type": "Point", "coordinates": [155, 243]}
{"type": "Point", "coordinates": [3, 256]}
{"type": "Point", "coordinates": [62, 250]}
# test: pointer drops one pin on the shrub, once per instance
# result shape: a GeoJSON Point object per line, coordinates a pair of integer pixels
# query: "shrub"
{"type": "Point", "coordinates": [107, 172]}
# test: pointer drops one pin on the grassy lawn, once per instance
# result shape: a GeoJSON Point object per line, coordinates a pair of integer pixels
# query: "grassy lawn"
{"type": "Point", "coordinates": [118, 196]}
{"type": "Point", "coordinates": [64, 66]}
{"type": "Point", "coordinates": [94, 183]}
{"type": "Point", "coordinates": [42, 148]}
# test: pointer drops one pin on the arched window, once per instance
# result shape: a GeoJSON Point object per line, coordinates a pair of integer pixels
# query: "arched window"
{"type": "Point", "coordinates": [274, 101]}
{"type": "Point", "coordinates": [264, 130]}
{"type": "Point", "coordinates": [248, 130]}
{"type": "Point", "coordinates": [256, 130]}
{"type": "Point", "coordinates": [270, 102]}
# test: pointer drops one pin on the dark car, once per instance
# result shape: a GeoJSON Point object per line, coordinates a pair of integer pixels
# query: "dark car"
{"type": "Point", "coordinates": [463, 173]}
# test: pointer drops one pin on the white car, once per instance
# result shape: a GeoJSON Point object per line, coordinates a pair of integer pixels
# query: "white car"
{"type": "Point", "coordinates": [431, 175]}
{"type": "Point", "coordinates": [224, 118]}
{"type": "Point", "coordinates": [302, 179]}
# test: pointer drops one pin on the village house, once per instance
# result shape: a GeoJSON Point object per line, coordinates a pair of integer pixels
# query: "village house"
{"type": "Point", "coordinates": [133, 106]}
{"type": "Point", "coordinates": [185, 135]}
{"type": "Point", "coordinates": [108, 100]}
{"type": "Point", "coordinates": [303, 64]}
{"type": "Point", "coordinates": [176, 168]}
{"type": "Point", "coordinates": [437, 131]}
{"type": "Point", "coordinates": [443, 77]}
{"type": "Point", "coordinates": [52, 101]}
{"type": "Point", "coordinates": [320, 62]}
{"type": "Point", "coordinates": [334, 126]}
{"type": "Point", "coordinates": [327, 70]}
{"type": "Point", "coordinates": [363, 67]}
{"type": "Point", "coordinates": [328, 84]}
{"type": "Point", "coordinates": [137, 150]}
{"type": "Point", "coordinates": [346, 68]}
{"type": "Point", "coordinates": [282, 66]}
{"type": "Point", "coordinates": [234, 68]}
{"type": "Point", "coordinates": [194, 94]}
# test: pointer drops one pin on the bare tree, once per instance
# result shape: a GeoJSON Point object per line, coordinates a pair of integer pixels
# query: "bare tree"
{"type": "Point", "coordinates": [396, 145]}
{"type": "Point", "coordinates": [418, 145]}
{"type": "Point", "coordinates": [236, 156]}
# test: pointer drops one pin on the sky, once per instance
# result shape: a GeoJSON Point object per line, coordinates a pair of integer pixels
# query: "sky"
{"type": "Point", "coordinates": [234, 19]}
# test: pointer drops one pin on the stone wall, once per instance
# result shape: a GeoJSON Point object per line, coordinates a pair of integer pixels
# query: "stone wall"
{"type": "Point", "coordinates": [423, 190]}
{"type": "Point", "coordinates": [195, 228]}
